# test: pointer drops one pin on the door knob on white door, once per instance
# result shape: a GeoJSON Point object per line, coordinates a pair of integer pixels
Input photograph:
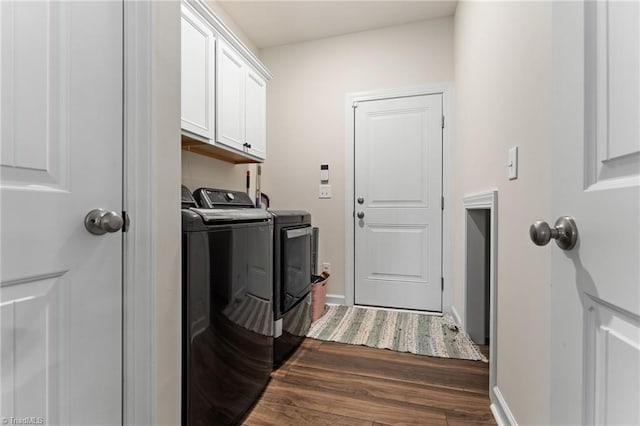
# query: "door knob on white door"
{"type": "Point", "coordinates": [565, 232]}
{"type": "Point", "coordinates": [360, 215]}
{"type": "Point", "coordinates": [100, 221]}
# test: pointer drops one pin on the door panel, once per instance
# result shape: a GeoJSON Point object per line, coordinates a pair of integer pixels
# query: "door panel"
{"type": "Point", "coordinates": [61, 145]}
{"type": "Point", "coordinates": [595, 338]}
{"type": "Point", "coordinates": [396, 143]}
{"type": "Point", "coordinates": [34, 347]}
{"type": "Point", "coordinates": [612, 353]}
{"type": "Point", "coordinates": [398, 175]}
{"type": "Point", "coordinates": [396, 253]}
{"type": "Point", "coordinates": [612, 100]}
{"type": "Point", "coordinates": [35, 90]}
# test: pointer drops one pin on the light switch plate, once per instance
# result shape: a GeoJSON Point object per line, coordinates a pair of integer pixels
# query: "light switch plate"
{"type": "Point", "coordinates": [325, 191]}
{"type": "Point", "coordinates": [512, 164]}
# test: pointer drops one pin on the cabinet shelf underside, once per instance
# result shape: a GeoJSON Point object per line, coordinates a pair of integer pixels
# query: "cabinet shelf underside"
{"type": "Point", "coordinates": [193, 145]}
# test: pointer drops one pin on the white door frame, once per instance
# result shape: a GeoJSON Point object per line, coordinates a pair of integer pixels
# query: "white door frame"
{"type": "Point", "coordinates": [138, 358]}
{"type": "Point", "coordinates": [487, 201]}
{"type": "Point", "coordinates": [446, 89]}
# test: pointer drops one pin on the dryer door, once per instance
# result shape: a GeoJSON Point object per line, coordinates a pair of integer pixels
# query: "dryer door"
{"type": "Point", "coordinates": [296, 265]}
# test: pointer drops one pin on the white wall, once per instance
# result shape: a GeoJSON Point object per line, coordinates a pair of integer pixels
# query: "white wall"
{"type": "Point", "coordinates": [503, 98]}
{"type": "Point", "coordinates": [201, 171]}
{"type": "Point", "coordinates": [306, 118]}
{"type": "Point", "coordinates": [167, 252]}
{"type": "Point", "coordinates": [219, 11]}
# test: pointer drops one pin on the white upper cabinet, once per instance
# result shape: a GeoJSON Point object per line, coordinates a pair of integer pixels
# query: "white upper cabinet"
{"type": "Point", "coordinates": [198, 65]}
{"type": "Point", "coordinates": [240, 103]}
{"type": "Point", "coordinates": [256, 114]}
{"type": "Point", "coordinates": [230, 100]}
{"type": "Point", "coordinates": [224, 90]}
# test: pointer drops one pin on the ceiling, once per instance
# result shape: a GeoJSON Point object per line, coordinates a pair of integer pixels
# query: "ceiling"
{"type": "Point", "coordinates": [273, 23]}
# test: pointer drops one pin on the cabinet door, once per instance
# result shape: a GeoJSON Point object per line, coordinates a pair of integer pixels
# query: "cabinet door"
{"type": "Point", "coordinates": [230, 106]}
{"type": "Point", "coordinates": [198, 61]}
{"type": "Point", "coordinates": [256, 110]}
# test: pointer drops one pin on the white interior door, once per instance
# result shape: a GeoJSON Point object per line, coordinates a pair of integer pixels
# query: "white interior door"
{"type": "Point", "coordinates": [61, 139]}
{"type": "Point", "coordinates": [595, 288]}
{"type": "Point", "coordinates": [398, 211]}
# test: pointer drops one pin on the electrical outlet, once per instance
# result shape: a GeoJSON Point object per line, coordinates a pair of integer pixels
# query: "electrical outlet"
{"type": "Point", "coordinates": [326, 267]}
{"type": "Point", "coordinates": [325, 191]}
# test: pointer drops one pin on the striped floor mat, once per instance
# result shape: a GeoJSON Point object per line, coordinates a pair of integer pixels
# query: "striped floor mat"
{"type": "Point", "coordinates": [399, 331]}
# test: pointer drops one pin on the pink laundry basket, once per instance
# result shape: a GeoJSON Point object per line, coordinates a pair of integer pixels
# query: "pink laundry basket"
{"type": "Point", "coordinates": [318, 295]}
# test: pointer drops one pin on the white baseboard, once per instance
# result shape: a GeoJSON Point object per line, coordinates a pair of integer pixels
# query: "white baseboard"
{"type": "Point", "coordinates": [500, 409]}
{"type": "Point", "coordinates": [335, 299]}
{"type": "Point", "coordinates": [456, 316]}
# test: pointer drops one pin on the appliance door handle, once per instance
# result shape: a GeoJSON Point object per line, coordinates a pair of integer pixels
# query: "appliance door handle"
{"type": "Point", "coordinates": [299, 232]}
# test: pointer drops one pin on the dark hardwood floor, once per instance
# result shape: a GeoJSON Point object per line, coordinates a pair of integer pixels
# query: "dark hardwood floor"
{"type": "Point", "coordinates": [327, 383]}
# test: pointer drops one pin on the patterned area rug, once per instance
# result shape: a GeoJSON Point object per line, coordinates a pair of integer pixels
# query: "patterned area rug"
{"type": "Point", "coordinates": [399, 331]}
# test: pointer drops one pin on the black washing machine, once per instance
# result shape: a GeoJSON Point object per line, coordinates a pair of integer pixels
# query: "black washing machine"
{"type": "Point", "coordinates": [227, 306]}
{"type": "Point", "coordinates": [291, 280]}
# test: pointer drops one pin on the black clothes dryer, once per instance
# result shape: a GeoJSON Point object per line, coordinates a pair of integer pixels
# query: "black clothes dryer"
{"type": "Point", "coordinates": [291, 280]}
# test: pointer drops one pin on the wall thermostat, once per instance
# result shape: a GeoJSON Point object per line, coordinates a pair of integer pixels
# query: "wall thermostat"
{"type": "Point", "coordinates": [324, 173]}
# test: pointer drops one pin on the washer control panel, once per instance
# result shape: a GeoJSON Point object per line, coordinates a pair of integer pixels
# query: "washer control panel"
{"type": "Point", "coordinates": [211, 198]}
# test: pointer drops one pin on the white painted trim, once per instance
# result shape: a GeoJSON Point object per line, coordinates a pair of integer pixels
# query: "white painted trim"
{"type": "Point", "coordinates": [446, 89]}
{"type": "Point", "coordinates": [456, 317]}
{"type": "Point", "coordinates": [349, 211]}
{"type": "Point", "coordinates": [335, 299]}
{"type": "Point", "coordinates": [223, 31]}
{"type": "Point", "coordinates": [487, 200]}
{"type": "Point", "coordinates": [480, 201]}
{"type": "Point", "coordinates": [409, 311]}
{"type": "Point", "coordinates": [500, 409]}
{"type": "Point", "coordinates": [138, 397]}
{"type": "Point", "coordinates": [448, 137]}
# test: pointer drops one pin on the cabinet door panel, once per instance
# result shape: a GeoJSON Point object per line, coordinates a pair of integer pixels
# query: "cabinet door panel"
{"type": "Point", "coordinates": [230, 108]}
{"type": "Point", "coordinates": [198, 61]}
{"type": "Point", "coordinates": [256, 109]}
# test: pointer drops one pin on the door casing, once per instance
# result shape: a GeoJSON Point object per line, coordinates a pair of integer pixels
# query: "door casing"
{"type": "Point", "coordinates": [446, 89]}
{"type": "Point", "coordinates": [138, 358]}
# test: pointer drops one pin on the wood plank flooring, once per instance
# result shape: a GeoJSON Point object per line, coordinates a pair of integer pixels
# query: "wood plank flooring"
{"type": "Point", "coordinates": [326, 383]}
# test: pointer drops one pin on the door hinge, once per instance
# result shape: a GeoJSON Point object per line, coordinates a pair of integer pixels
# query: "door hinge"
{"type": "Point", "coordinates": [442, 202]}
{"type": "Point", "coordinates": [125, 219]}
{"type": "Point", "coordinates": [443, 121]}
{"type": "Point", "coordinates": [442, 283]}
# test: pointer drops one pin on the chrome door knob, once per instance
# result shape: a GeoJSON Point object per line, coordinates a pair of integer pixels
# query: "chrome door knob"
{"type": "Point", "coordinates": [565, 232]}
{"type": "Point", "coordinates": [360, 200]}
{"type": "Point", "coordinates": [100, 221]}
{"type": "Point", "coordinates": [360, 215]}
